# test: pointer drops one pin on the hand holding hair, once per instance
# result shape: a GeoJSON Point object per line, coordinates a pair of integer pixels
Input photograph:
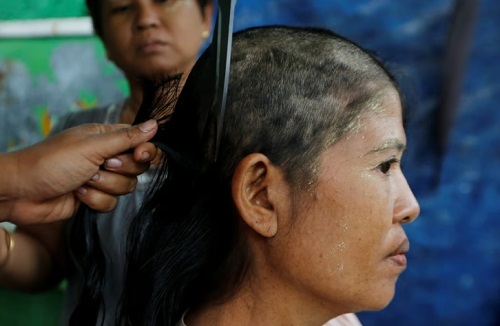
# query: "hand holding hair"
{"type": "Point", "coordinates": [117, 177]}
{"type": "Point", "coordinates": [47, 181]}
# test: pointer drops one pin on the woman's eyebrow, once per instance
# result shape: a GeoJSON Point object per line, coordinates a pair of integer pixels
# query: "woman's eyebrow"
{"type": "Point", "coordinates": [390, 144]}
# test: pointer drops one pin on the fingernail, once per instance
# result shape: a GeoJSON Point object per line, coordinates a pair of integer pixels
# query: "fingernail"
{"type": "Point", "coordinates": [113, 163]}
{"type": "Point", "coordinates": [145, 156]}
{"type": "Point", "coordinates": [147, 126]}
{"type": "Point", "coordinates": [82, 191]}
{"type": "Point", "coordinates": [96, 177]}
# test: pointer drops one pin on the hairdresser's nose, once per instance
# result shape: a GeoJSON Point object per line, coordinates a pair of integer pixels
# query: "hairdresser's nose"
{"type": "Point", "coordinates": [147, 16]}
{"type": "Point", "coordinates": [406, 208]}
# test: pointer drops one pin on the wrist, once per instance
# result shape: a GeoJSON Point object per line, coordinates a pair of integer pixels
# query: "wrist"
{"type": "Point", "coordinates": [9, 183]}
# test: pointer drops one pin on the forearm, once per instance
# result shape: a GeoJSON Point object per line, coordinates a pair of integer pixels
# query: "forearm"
{"type": "Point", "coordinates": [30, 266]}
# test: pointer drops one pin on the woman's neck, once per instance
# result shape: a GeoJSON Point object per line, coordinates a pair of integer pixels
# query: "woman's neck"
{"type": "Point", "coordinates": [132, 103]}
{"type": "Point", "coordinates": [265, 306]}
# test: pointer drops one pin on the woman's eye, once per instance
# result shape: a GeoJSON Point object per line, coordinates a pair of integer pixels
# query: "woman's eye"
{"type": "Point", "coordinates": [385, 167]}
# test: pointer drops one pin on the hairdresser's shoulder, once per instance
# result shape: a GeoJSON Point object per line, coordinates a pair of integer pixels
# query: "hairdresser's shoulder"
{"type": "Point", "coordinates": [105, 114]}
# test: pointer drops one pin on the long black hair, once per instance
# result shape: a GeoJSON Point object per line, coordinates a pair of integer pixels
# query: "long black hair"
{"type": "Point", "coordinates": [293, 92]}
{"type": "Point", "coordinates": [85, 250]}
{"type": "Point", "coordinates": [89, 261]}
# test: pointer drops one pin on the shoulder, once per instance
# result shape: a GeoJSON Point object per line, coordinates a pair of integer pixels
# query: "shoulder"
{"type": "Point", "coordinates": [106, 114]}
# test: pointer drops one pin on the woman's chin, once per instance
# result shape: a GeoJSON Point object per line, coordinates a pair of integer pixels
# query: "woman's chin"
{"type": "Point", "coordinates": [379, 302]}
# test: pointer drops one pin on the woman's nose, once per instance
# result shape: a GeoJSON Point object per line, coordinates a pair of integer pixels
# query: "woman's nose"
{"type": "Point", "coordinates": [407, 208]}
{"type": "Point", "coordinates": [146, 16]}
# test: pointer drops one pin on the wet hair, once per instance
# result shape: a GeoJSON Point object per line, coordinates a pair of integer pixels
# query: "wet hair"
{"type": "Point", "coordinates": [293, 92]}
{"type": "Point", "coordinates": [94, 8]}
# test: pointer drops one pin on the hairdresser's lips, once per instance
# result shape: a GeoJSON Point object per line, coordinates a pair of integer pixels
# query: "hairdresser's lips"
{"type": "Point", "coordinates": [151, 46]}
{"type": "Point", "coordinates": [398, 256]}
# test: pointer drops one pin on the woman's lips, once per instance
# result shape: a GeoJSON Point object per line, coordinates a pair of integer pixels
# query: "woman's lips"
{"type": "Point", "coordinates": [398, 256]}
{"type": "Point", "coordinates": [151, 46]}
{"type": "Point", "coordinates": [399, 259]}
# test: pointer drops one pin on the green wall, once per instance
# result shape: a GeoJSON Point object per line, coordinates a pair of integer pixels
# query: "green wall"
{"type": "Point", "coordinates": [42, 79]}
{"type": "Point", "coordinates": [31, 106]}
{"type": "Point", "coordinates": [35, 9]}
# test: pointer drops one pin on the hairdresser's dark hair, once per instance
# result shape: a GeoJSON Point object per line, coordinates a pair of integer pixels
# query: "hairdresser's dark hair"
{"type": "Point", "coordinates": [94, 8]}
{"type": "Point", "coordinates": [293, 92]}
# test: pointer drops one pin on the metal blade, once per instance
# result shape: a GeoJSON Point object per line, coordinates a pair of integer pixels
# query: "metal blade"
{"type": "Point", "coordinates": [222, 42]}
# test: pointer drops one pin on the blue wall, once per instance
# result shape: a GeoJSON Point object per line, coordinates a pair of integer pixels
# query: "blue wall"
{"type": "Point", "coordinates": [453, 276]}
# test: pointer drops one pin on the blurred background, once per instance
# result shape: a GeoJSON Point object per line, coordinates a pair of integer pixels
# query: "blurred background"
{"type": "Point", "coordinates": [446, 56]}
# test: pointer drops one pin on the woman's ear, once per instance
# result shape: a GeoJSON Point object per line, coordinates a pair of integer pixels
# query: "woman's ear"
{"type": "Point", "coordinates": [208, 13]}
{"type": "Point", "coordinates": [257, 186]}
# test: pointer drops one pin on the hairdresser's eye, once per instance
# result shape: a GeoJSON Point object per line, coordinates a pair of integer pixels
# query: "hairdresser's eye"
{"type": "Point", "coordinates": [386, 166]}
{"type": "Point", "coordinates": [121, 9]}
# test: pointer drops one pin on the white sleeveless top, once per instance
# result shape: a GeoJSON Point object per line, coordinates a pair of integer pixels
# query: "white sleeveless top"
{"type": "Point", "coordinates": [342, 320]}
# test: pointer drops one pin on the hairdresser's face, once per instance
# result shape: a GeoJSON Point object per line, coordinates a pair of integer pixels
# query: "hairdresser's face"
{"type": "Point", "coordinates": [346, 245]}
{"type": "Point", "coordinates": [152, 37]}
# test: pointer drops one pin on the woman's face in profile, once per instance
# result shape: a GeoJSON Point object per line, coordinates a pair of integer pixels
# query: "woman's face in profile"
{"type": "Point", "coordinates": [346, 245]}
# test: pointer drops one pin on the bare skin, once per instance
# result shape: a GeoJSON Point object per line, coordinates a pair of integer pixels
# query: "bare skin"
{"type": "Point", "coordinates": [341, 250]}
{"type": "Point", "coordinates": [45, 183]}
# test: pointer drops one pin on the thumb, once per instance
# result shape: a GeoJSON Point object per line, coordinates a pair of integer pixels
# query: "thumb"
{"type": "Point", "coordinates": [113, 141]}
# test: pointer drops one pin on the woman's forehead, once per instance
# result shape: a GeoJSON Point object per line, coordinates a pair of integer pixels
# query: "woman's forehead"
{"type": "Point", "coordinates": [379, 127]}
